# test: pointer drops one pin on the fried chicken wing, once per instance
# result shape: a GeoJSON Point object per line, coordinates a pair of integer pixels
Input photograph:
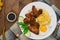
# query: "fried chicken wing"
{"type": "Point", "coordinates": [34, 24]}
{"type": "Point", "coordinates": [29, 15]}
{"type": "Point", "coordinates": [39, 12]}
{"type": "Point", "coordinates": [36, 12]}
{"type": "Point", "coordinates": [34, 29]}
{"type": "Point", "coordinates": [31, 19]}
{"type": "Point", "coordinates": [27, 20]}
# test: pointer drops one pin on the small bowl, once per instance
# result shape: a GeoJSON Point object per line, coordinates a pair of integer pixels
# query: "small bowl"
{"type": "Point", "coordinates": [11, 16]}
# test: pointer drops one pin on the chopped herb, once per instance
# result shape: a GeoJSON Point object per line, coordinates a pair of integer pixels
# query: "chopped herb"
{"type": "Point", "coordinates": [24, 26]}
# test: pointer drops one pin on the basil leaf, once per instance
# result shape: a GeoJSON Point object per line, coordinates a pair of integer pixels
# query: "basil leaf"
{"type": "Point", "coordinates": [20, 23]}
{"type": "Point", "coordinates": [25, 31]}
{"type": "Point", "coordinates": [24, 26]}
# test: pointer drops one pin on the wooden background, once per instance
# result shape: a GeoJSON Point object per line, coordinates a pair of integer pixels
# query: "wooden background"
{"type": "Point", "coordinates": [11, 6]}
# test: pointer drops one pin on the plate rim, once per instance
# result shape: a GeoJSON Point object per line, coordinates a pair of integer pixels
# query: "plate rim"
{"type": "Point", "coordinates": [54, 13]}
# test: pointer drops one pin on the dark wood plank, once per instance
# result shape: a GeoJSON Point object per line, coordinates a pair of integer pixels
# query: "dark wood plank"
{"type": "Point", "coordinates": [11, 6]}
{"type": "Point", "coordinates": [2, 19]}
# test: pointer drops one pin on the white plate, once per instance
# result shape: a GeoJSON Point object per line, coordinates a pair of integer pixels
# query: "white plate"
{"type": "Point", "coordinates": [51, 12]}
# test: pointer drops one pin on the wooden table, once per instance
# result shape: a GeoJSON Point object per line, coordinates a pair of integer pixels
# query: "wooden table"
{"type": "Point", "coordinates": [11, 6]}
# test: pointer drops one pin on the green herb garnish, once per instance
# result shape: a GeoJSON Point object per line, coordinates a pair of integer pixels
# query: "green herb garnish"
{"type": "Point", "coordinates": [24, 26]}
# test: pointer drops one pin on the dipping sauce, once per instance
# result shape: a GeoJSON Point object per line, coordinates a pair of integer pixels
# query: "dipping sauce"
{"type": "Point", "coordinates": [11, 16]}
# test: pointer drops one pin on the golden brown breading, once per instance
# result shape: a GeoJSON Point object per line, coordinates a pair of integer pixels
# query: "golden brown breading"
{"type": "Point", "coordinates": [34, 29]}
{"type": "Point", "coordinates": [36, 12]}
{"type": "Point", "coordinates": [31, 19]}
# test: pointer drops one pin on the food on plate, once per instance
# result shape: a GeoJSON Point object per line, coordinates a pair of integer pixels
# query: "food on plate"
{"type": "Point", "coordinates": [21, 18]}
{"type": "Point", "coordinates": [24, 26]}
{"type": "Point", "coordinates": [36, 12]}
{"type": "Point", "coordinates": [44, 18]}
{"type": "Point", "coordinates": [43, 28]}
{"type": "Point", "coordinates": [34, 29]}
{"type": "Point", "coordinates": [31, 20]}
{"type": "Point", "coordinates": [29, 15]}
{"type": "Point", "coordinates": [35, 21]}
